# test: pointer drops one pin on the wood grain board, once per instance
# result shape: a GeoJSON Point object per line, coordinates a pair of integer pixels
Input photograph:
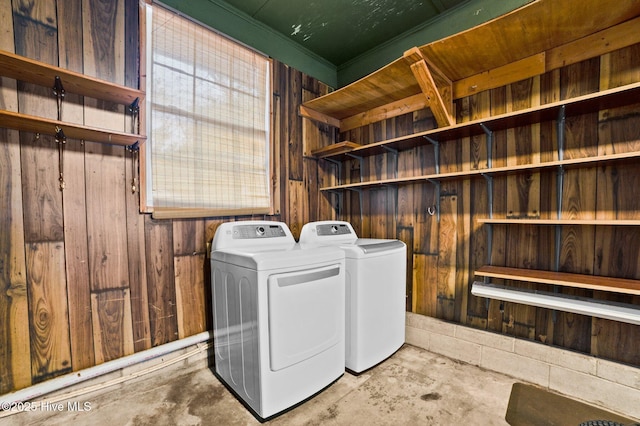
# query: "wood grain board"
{"type": "Point", "coordinates": [593, 282]}
{"type": "Point", "coordinates": [160, 282]}
{"type": "Point", "coordinates": [48, 311]}
{"type": "Point", "coordinates": [15, 355]}
{"type": "Point", "coordinates": [191, 295]}
{"type": "Point", "coordinates": [74, 205]}
{"type": "Point", "coordinates": [112, 328]}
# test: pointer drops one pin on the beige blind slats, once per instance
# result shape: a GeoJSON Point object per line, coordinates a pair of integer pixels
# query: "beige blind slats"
{"type": "Point", "coordinates": [209, 119]}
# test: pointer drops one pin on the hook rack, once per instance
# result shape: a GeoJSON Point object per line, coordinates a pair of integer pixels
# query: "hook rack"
{"type": "Point", "coordinates": [61, 139]}
{"type": "Point", "coordinates": [134, 150]}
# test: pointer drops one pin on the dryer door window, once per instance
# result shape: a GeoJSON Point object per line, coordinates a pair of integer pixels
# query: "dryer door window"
{"type": "Point", "coordinates": [306, 314]}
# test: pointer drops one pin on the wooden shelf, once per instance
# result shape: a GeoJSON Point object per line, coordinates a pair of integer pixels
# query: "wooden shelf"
{"type": "Point", "coordinates": [612, 98]}
{"type": "Point", "coordinates": [30, 123]}
{"type": "Point", "coordinates": [491, 171]}
{"type": "Point", "coordinates": [473, 67]}
{"type": "Point", "coordinates": [593, 282]}
{"type": "Point", "coordinates": [526, 221]}
{"type": "Point", "coordinates": [31, 71]}
{"type": "Point", "coordinates": [335, 149]}
{"type": "Point", "coordinates": [371, 184]}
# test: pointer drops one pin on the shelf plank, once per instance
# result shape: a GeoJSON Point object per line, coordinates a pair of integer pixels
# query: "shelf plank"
{"type": "Point", "coordinates": [593, 282]}
{"type": "Point", "coordinates": [335, 149]}
{"type": "Point", "coordinates": [30, 123]}
{"type": "Point", "coordinates": [538, 166]}
{"type": "Point", "coordinates": [464, 57]}
{"type": "Point", "coordinates": [492, 171]}
{"type": "Point", "coordinates": [31, 71]}
{"type": "Point", "coordinates": [526, 221]}
{"type": "Point", "coordinates": [371, 184]}
{"type": "Point", "coordinates": [611, 98]}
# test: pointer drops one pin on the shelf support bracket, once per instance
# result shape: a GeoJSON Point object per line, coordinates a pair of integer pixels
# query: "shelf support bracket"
{"type": "Point", "coordinates": [359, 191]}
{"type": "Point", "coordinates": [489, 180]}
{"type": "Point", "coordinates": [338, 165]}
{"type": "Point", "coordinates": [361, 160]}
{"type": "Point", "coordinates": [489, 134]}
{"type": "Point", "coordinates": [436, 152]}
{"type": "Point", "coordinates": [339, 200]}
{"type": "Point", "coordinates": [435, 85]}
{"type": "Point", "coordinates": [394, 154]}
{"type": "Point", "coordinates": [560, 133]}
{"type": "Point", "coordinates": [339, 194]}
{"type": "Point", "coordinates": [61, 140]}
{"type": "Point", "coordinates": [135, 151]}
{"type": "Point", "coordinates": [58, 92]}
{"type": "Point", "coordinates": [134, 109]}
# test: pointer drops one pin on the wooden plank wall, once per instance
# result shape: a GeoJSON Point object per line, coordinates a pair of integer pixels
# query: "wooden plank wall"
{"type": "Point", "coordinates": [84, 277]}
{"type": "Point", "coordinates": [443, 255]}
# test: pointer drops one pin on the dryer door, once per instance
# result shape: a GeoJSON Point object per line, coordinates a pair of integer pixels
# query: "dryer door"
{"type": "Point", "coordinates": [306, 314]}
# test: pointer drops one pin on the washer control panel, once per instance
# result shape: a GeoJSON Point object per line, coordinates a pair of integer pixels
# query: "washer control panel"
{"type": "Point", "coordinates": [245, 232]}
{"type": "Point", "coordinates": [333, 229]}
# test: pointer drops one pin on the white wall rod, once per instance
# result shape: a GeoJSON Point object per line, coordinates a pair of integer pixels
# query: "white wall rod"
{"type": "Point", "coordinates": [579, 305]}
{"type": "Point", "coordinates": [40, 389]}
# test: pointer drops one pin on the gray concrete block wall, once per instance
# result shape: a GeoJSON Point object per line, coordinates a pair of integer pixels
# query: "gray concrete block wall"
{"type": "Point", "coordinates": [609, 385]}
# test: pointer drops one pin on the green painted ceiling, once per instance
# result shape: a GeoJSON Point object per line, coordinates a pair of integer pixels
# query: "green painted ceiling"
{"type": "Point", "coordinates": [341, 30]}
{"type": "Point", "coordinates": [340, 41]}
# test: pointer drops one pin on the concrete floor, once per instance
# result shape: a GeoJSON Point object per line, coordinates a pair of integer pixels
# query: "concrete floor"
{"type": "Point", "coordinates": [412, 387]}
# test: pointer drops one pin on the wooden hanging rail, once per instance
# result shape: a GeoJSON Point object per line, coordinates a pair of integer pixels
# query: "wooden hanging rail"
{"type": "Point", "coordinates": [593, 282]}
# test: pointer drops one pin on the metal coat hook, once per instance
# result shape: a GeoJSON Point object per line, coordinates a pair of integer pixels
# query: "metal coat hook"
{"type": "Point", "coordinates": [432, 210]}
{"type": "Point", "coordinates": [134, 150]}
{"type": "Point", "coordinates": [134, 109]}
{"type": "Point", "coordinates": [58, 92]}
{"type": "Point", "coordinates": [61, 139]}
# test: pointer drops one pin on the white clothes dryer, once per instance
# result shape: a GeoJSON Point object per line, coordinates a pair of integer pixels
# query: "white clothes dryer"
{"type": "Point", "coordinates": [375, 291]}
{"type": "Point", "coordinates": [278, 315]}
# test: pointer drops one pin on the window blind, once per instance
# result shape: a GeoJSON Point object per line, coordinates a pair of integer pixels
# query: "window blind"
{"type": "Point", "coordinates": [209, 120]}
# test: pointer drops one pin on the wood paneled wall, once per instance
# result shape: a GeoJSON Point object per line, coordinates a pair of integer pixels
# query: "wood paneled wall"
{"type": "Point", "coordinates": [444, 254]}
{"type": "Point", "coordinates": [84, 277]}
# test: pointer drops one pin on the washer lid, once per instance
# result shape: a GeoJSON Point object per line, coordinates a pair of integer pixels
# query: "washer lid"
{"type": "Point", "coordinates": [277, 258]}
{"type": "Point", "coordinates": [371, 247]}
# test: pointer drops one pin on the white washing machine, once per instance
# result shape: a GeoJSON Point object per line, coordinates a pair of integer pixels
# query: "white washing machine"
{"type": "Point", "coordinates": [375, 291]}
{"type": "Point", "coordinates": [278, 315]}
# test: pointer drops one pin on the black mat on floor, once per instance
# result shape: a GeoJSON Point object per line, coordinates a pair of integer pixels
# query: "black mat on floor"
{"type": "Point", "coordinates": [533, 406]}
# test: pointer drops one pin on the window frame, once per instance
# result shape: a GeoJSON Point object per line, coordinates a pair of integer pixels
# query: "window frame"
{"type": "Point", "coordinates": [146, 181]}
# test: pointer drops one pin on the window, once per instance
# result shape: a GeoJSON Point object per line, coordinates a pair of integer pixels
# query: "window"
{"type": "Point", "coordinates": [208, 115]}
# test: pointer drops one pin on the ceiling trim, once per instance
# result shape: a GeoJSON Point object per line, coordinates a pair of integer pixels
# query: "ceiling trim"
{"type": "Point", "coordinates": [238, 25]}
